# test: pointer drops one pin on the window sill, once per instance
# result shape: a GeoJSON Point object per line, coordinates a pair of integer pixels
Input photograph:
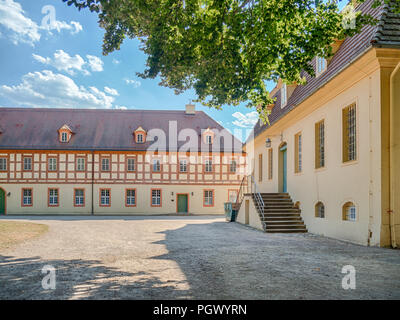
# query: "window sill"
{"type": "Point", "coordinates": [321, 169]}
{"type": "Point", "coordinates": [349, 163]}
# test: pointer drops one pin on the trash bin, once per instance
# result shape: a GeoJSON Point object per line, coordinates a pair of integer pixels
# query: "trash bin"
{"type": "Point", "coordinates": [230, 214]}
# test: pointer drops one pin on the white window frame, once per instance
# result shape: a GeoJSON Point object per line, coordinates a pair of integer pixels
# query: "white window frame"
{"type": "Point", "coordinates": [27, 199]}
{"type": "Point", "coordinates": [321, 65]}
{"type": "Point", "coordinates": [131, 164]}
{"type": "Point", "coordinates": [64, 137]}
{"type": "Point", "coordinates": [208, 197]}
{"type": "Point", "coordinates": [53, 197]}
{"type": "Point", "coordinates": [140, 138]}
{"type": "Point", "coordinates": [156, 165]}
{"type": "Point", "coordinates": [233, 164]}
{"type": "Point", "coordinates": [351, 213]}
{"type": "Point", "coordinates": [208, 167]}
{"type": "Point", "coordinates": [80, 164]}
{"type": "Point", "coordinates": [79, 199]}
{"type": "Point", "coordinates": [105, 166]}
{"type": "Point", "coordinates": [182, 165]}
{"type": "Point", "coordinates": [27, 165]}
{"type": "Point", "coordinates": [3, 164]}
{"type": "Point", "coordinates": [105, 197]}
{"type": "Point", "coordinates": [131, 199]}
{"type": "Point", "coordinates": [156, 197]}
{"type": "Point", "coordinates": [52, 163]}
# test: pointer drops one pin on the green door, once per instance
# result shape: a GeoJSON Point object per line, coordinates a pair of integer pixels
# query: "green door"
{"type": "Point", "coordinates": [2, 202]}
{"type": "Point", "coordinates": [284, 169]}
{"type": "Point", "coordinates": [182, 203]}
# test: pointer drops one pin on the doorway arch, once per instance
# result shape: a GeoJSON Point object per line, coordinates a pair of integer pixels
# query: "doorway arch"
{"type": "Point", "coordinates": [282, 167]}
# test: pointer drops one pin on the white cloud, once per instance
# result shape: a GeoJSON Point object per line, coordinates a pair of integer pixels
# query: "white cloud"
{"type": "Point", "coordinates": [62, 61]}
{"type": "Point", "coordinates": [134, 83]}
{"type": "Point", "coordinates": [247, 120]}
{"type": "Point", "coordinates": [95, 63]}
{"type": "Point", "coordinates": [74, 27]}
{"type": "Point", "coordinates": [115, 61]}
{"type": "Point", "coordinates": [21, 29]}
{"type": "Point", "coordinates": [111, 91]}
{"type": "Point", "coordinates": [121, 107]}
{"type": "Point", "coordinates": [54, 90]}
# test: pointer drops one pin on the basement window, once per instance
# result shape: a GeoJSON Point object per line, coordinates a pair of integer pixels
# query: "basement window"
{"type": "Point", "coordinates": [349, 212]}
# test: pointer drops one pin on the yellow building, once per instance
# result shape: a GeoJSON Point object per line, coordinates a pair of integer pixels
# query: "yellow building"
{"type": "Point", "coordinates": [64, 161]}
{"type": "Point", "coordinates": [329, 161]}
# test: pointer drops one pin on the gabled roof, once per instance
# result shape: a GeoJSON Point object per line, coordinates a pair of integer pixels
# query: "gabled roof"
{"type": "Point", "coordinates": [98, 129]}
{"type": "Point", "coordinates": [385, 34]}
{"type": "Point", "coordinates": [66, 127]}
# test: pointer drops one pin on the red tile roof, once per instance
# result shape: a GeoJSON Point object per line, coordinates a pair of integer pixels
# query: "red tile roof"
{"type": "Point", "coordinates": [100, 129]}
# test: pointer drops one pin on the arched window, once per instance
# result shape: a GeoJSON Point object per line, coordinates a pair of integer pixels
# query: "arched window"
{"type": "Point", "coordinates": [349, 211]}
{"type": "Point", "coordinates": [319, 210]}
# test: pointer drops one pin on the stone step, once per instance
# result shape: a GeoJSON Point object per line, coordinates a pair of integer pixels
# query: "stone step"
{"type": "Point", "coordinates": [285, 226]}
{"type": "Point", "coordinates": [289, 218]}
{"type": "Point", "coordinates": [280, 215]}
{"type": "Point", "coordinates": [284, 222]}
{"type": "Point", "coordinates": [286, 230]}
{"type": "Point", "coordinates": [284, 210]}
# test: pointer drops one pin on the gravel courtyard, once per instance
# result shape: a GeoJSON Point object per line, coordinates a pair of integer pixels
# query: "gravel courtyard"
{"type": "Point", "coordinates": [189, 257]}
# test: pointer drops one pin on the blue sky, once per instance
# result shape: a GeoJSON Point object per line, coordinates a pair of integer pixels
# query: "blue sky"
{"type": "Point", "coordinates": [61, 65]}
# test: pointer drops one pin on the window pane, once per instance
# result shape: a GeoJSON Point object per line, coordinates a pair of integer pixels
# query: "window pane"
{"type": "Point", "coordinates": [131, 164]}
{"type": "Point", "coordinates": [3, 164]}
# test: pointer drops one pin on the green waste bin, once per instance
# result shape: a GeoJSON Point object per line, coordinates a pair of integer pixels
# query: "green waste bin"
{"type": "Point", "coordinates": [230, 214]}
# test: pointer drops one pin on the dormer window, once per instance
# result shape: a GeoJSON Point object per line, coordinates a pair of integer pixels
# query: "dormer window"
{"type": "Point", "coordinates": [65, 133]}
{"type": "Point", "coordinates": [321, 65]}
{"type": "Point", "coordinates": [140, 135]}
{"type": "Point", "coordinates": [64, 137]}
{"type": "Point", "coordinates": [283, 95]}
{"type": "Point", "coordinates": [208, 136]}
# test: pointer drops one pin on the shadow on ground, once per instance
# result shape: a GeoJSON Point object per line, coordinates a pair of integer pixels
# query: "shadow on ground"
{"type": "Point", "coordinates": [219, 261]}
{"type": "Point", "coordinates": [78, 279]}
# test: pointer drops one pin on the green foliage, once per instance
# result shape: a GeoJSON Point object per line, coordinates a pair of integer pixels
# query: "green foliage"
{"type": "Point", "coordinates": [225, 50]}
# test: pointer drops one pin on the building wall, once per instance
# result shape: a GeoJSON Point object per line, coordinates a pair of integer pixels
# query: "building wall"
{"type": "Point", "coordinates": [358, 181]}
{"type": "Point", "coordinates": [170, 180]}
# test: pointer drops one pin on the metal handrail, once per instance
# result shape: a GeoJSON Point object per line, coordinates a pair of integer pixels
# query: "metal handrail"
{"type": "Point", "coordinates": [240, 194]}
{"type": "Point", "coordinates": [258, 197]}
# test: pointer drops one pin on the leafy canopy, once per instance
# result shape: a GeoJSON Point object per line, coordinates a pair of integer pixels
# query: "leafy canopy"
{"type": "Point", "coordinates": [226, 49]}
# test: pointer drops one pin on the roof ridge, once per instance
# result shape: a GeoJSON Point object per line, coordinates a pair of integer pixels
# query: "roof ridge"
{"type": "Point", "coordinates": [88, 110]}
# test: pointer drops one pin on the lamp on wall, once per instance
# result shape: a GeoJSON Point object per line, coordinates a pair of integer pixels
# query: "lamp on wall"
{"type": "Point", "coordinates": [8, 194]}
{"type": "Point", "coordinates": [268, 142]}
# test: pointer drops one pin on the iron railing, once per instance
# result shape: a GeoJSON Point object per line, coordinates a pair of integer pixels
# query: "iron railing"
{"type": "Point", "coordinates": [258, 198]}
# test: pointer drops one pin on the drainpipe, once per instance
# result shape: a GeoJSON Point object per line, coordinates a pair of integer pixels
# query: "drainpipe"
{"type": "Point", "coordinates": [92, 180]}
{"type": "Point", "coordinates": [391, 166]}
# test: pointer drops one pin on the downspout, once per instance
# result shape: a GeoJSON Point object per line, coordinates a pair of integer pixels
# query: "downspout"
{"type": "Point", "coordinates": [92, 180]}
{"type": "Point", "coordinates": [391, 156]}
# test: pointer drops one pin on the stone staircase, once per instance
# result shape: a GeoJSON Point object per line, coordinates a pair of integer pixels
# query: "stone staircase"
{"type": "Point", "coordinates": [280, 214]}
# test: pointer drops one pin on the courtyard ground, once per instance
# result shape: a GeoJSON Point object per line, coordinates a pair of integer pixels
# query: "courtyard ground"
{"type": "Point", "coordinates": [189, 257]}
